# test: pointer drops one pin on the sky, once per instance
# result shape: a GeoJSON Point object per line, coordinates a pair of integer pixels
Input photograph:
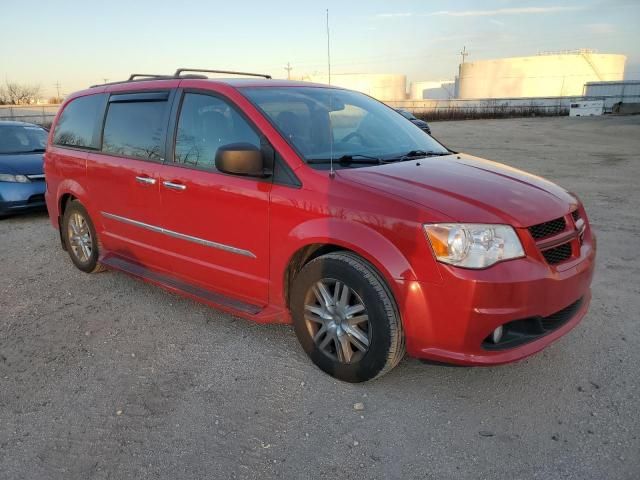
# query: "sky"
{"type": "Point", "coordinates": [77, 43]}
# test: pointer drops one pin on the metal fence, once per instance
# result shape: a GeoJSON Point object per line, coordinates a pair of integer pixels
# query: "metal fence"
{"type": "Point", "coordinates": [461, 109]}
{"type": "Point", "coordinates": [39, 114]}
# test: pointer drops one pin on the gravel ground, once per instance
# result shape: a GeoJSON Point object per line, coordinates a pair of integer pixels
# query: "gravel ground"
{"type": "Point", "coordinates": [104, 376]}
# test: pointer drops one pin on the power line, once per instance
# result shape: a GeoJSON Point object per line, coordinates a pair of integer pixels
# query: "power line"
{"type": "Point", "coordinates": [288, 68]}
{"type": "Point", "coordinates": [57, 85]}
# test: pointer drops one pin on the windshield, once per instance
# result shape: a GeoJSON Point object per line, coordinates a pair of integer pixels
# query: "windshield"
{"type": "Point", "coordinates": [22, 139]}
{"type": "Point", "coordinates": [323, 123]}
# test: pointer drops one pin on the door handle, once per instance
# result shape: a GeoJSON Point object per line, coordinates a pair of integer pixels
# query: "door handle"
{"type": "Point", "coordinates": [146, 180]}
{"type": "Point", "coordinates": [174, 186]}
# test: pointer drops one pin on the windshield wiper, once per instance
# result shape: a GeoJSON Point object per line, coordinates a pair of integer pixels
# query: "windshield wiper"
{"type": "Point", "coordinates": [413, 154]}
{"type": "Point", "coordinates": [349, 159]}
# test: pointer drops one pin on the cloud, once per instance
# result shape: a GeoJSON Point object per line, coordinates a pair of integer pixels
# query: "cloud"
{"type": "Point", "coordinates": [504, 11]}
{"type": "Point", "coordinates": [394, 15]}
{"type": "Point", "coordinates": [601, 28]}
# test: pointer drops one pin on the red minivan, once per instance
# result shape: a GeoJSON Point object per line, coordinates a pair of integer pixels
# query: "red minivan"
{"type": "Point", "coordinates": [291, 202]}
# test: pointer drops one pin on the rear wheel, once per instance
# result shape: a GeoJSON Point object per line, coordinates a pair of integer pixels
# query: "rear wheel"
{"type": "Point", "coordinates": [345, 317]}
{"type": "Point", "coordinates": [80, 238]}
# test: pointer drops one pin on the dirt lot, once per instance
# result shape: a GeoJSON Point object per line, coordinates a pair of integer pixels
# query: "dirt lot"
{"type": "Point", "coordinates": [104, 376]}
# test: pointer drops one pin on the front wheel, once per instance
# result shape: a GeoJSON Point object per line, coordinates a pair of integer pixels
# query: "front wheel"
{"type": "Point", "coordinates": [345, 318]}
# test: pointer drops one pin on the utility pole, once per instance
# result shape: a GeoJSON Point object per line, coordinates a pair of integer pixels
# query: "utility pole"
{"type": "Point", "coordinates": [288, 68]}
{"type": "Point", "coordinates": [57, 85]}
{"type": "Point", "coordinates": [464, 53]}
{"type": "Point", "coordinates": [105, 80]}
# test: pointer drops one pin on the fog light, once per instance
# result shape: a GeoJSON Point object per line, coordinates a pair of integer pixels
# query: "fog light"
{"type": "Point", "coordinates": [496, 336]}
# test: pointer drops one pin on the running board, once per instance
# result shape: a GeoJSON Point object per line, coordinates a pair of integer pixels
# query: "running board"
{"type": "Point", "coordinates": [143, 272]}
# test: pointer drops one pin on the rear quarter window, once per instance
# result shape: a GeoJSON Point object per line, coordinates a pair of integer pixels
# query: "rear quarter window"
{"type": "Point", "coordinates": [136, 129]}
{"type": "Point", "coordinates": [78, 125]}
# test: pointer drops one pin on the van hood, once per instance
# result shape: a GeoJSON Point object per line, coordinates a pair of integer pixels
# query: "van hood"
{"type": "Point", "coordinates": [21, 163]}
{"type": "Point", "coordinates": [469, 189]}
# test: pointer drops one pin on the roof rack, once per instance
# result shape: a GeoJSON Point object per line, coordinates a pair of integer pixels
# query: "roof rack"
{"type": "Point", "coordinates": [227, 72]}
{"type": "Point", "coordinates": [179, 73]}
{"type": "Point", "coordinates": [147, 75]}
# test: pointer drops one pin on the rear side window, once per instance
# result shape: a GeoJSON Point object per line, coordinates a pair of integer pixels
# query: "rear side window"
{"type": "Point", "coordinates": [136, 129]}
{"type": "Point", "coordinates": [207, 123]}
{"type": "Point", "coordinates": [78, 124]}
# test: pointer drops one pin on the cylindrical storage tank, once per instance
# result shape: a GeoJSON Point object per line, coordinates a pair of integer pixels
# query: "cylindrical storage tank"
{"type": "Point", "coordinates": [545, 75]}
{"type": "Point", "coordinates": [390, 86]}
{"type": "Point", "coordinates": [432, 89]}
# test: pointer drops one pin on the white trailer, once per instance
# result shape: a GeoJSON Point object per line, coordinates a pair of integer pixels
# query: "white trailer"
{"type": "Point", "coordinates": [587, 108]}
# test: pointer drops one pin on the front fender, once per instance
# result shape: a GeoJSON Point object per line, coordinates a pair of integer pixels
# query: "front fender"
{"type": "Point", "coordinates": [363, 240]}
{"type": "Point", "coordinates": [370, 244]}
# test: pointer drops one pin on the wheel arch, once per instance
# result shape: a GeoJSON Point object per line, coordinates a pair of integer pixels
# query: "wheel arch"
{"type": "Point", "coordinates": [311, 241]}
{"type": "Point", "coordinates": [63, 202]}
{"type": "Point", "coordinates": [71, 190]}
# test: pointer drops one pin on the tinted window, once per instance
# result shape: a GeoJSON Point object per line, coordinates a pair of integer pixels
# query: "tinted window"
{"type": "Point", "coordinates": [205, 124]}
{"type": "Point", "coordinates": [77, 124]}
{"type": "Point", "coordinates": [22, 139]}
{"type": "Point", "coordinates": [135, 129]}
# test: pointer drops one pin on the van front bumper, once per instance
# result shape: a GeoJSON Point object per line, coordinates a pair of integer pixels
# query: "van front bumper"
{"type": "Point", "coordinates": [452, 321]}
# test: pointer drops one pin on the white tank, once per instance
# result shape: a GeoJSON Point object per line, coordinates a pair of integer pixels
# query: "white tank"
{"type": "Point", "coordinates": [388, 86]}
{"type": "Point", "coordinates": [432, 89]}
{"type": "Point", "coordinates": [544, 75]}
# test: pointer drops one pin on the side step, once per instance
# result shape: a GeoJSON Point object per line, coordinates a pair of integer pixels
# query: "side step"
{"type": "Point", "coordinates": [143, 272]}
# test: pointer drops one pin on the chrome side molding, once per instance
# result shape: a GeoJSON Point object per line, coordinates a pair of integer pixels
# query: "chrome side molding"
{"type": "Point", "coordinates": [181, 236]}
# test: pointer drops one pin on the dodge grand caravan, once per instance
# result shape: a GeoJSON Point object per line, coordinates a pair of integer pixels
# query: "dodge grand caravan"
{"type": "Point", "coordinates": [292, 202]}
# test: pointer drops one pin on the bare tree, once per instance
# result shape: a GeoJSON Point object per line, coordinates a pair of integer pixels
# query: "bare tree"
{"type": "Point", "coordinates": [16, 94]}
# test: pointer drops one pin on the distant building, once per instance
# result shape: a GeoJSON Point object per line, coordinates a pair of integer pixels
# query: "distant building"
{"type": "Point", "coordinates": [432, 90]}
{"type": "Point", "coordinates": [618, 97]}
{"type": "Point", "coordinates": [621, 89]}
{"type": "Point", "coordinates": [545, 75]}
{"type": "Point", "coordinates": [388, 86]}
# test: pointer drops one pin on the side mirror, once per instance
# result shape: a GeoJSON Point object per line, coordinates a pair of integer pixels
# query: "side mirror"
{"type": "Point", "coordinates": [241, 159]}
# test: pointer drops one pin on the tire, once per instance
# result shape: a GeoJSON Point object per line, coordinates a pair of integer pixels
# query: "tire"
{"type": "Point", "coordinates": [354, 336]}
{"type": "Point", "coordinates": [80, 239]}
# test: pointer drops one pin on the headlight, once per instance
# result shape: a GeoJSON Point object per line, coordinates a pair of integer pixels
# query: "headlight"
{"type": "Point", "coordinates": [473, 245]}
{"type": "Point", "coordinates": [7, 177]}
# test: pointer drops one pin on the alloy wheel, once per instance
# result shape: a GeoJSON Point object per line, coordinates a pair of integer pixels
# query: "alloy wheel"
{"type": "Point", "coordinates": [80, 239]}
{"type": "Point", "coordinates": [337, 320]}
